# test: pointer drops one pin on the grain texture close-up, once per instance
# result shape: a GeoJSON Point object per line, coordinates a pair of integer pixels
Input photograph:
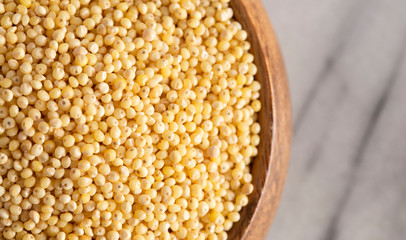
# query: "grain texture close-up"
{"type": "Point", "coordinates": [137, 119]}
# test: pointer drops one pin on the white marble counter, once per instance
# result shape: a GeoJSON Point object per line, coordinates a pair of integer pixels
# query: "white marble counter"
{"type": "Point", "coordinates": [346, 63]}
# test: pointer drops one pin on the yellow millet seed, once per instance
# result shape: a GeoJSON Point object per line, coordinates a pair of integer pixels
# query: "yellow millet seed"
{"type": "Point", "coordinates": [125, 119]}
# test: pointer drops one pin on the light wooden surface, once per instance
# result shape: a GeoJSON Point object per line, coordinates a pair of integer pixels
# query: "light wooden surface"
{"type": "Point", "coordinates": [347, 69]}
{"type": "Point", "coordinates": [270, 166]}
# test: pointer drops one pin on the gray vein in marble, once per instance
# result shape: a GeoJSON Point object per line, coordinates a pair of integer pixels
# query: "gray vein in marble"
{"type": "Point", "coordinates": [345, 30]}
{"type": "Point", "coordinates": [316, 154]}
{"type": "Point", "coordinates": [332, 230]}
{"type": "Point", "coordinates": [347, 174]}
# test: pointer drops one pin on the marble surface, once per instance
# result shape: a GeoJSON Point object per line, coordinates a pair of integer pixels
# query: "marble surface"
{"type": "Point", "coordinates": [346, 61]}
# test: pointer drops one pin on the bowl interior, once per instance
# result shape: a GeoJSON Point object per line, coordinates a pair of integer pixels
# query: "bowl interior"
{"type": "Point", "coordinates": [260, 164]}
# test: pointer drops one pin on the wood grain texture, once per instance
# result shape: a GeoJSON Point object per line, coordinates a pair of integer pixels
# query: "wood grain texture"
{"type": "Point", "coordinates": [270, 166]}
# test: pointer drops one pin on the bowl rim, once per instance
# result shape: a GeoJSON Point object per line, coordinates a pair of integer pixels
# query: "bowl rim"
{"type": "Point", "coordinates": [276, 123]}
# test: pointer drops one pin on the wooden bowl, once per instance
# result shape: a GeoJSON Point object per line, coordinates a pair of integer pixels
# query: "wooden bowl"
{"type": "Point", "coordinates": [270, 166]}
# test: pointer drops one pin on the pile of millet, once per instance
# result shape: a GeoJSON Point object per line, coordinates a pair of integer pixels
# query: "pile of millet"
{"type": "Point", "coordinates": [130, 119]}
